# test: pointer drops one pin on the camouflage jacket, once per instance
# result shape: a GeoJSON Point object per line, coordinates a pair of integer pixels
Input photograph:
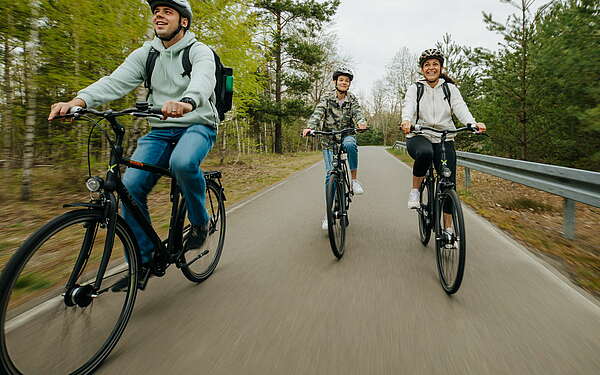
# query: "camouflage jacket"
{"type": "Point", "coordinates": [328, 115]}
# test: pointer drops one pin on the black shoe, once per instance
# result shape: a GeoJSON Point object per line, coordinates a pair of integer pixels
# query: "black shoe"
{"type": "Point", "coordinates": [197, 236]}
{"type": "Point", "coordinates": [123, 284]}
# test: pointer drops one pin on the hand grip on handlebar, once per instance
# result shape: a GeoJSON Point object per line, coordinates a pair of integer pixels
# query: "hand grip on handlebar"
{"type": "Point", "coordinates": [73, 113]}
{"type": "Point", "coordinates": [155, 111]}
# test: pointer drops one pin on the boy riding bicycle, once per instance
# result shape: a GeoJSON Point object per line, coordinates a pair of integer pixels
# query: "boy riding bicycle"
{"type": "Point", "coordinates": [337, 110]}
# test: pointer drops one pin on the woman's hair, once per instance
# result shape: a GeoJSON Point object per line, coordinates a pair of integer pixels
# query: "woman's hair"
{"type": "Point", "coordinates": [446, 78]}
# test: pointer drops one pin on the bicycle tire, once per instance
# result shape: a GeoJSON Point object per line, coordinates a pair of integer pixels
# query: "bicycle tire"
{"type": "Point", "coordinates": [450, 260]}
{"type": "Point", "coordinates": [425, 212]}
{"type": "Point", "coordinates": [92, 347]}
{"type": "Point", "coordinates": [215, 240]}
{"type": "Point", "coordinates": [336, 215]}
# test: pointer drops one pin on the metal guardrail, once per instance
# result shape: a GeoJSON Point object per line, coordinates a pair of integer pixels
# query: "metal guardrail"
{"type": "Point", "coordinates": [574, 185]}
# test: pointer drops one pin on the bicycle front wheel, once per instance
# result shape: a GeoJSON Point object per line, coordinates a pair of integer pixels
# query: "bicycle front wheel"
{"type": "Point", "coordinates": [198, 264]}
{"type": "Point", "coordinates": [450, 244]}
{"type": "Point", "coordinates": [337, 218]}
{"type": "Point", "coordinates": [48, 327]}
{"type": "Point", "coordinates": [424, 212]}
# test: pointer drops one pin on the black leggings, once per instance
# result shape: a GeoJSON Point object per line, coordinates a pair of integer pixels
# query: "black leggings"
{"type": "Point", "coordinates": [423, 151]}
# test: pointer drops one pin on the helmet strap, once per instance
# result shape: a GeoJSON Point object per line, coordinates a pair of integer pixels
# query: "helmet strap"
{"type": "Point", "coordinates": [170, 37]}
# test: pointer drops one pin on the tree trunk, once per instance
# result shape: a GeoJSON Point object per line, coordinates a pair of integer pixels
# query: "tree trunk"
{"type": "Point", "coordinates": [31, 92]}
{"type": "Point", "coordinates": [8, 102]}
{"type": "Point", "coordinates": [239, 146]}
{"type": "Point", "coordinates": [524, 77]}
{"type": "Point", "coordinates": [278, 85]}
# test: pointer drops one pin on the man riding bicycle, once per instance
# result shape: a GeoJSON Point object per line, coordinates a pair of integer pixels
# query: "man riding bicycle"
{"type": "Point", "coordinates": [187, 131]}
{"type": "Point", "coordinates": [337, 110]}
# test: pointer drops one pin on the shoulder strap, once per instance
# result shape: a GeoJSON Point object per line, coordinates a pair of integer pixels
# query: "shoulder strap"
{"type": "Point", "coordinates": [150, 62]}
{"type": "Point", "coordinates": [185, 61]}
{"type": "Point", "coordinates": [446, 90]}
{"type": "Point", "coordinates": [420, 90]}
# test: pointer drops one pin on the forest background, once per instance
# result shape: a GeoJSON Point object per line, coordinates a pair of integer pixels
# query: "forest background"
{"type": "Point", "coordinates": [538, 91]}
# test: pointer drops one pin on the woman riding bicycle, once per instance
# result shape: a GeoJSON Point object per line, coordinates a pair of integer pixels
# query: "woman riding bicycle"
{"type": "Point", "coordinates": [440, 99]}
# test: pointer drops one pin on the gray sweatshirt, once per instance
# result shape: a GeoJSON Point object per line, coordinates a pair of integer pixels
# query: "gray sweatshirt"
{"type": "Point", "coordinates": [167, 81]}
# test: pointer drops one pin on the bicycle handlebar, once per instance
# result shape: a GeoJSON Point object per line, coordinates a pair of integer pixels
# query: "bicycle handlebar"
{"type": "Point", "coordinates": [335, 132]}
{"type": "Point", "coordinates": [420, 128]}
{"type": "Point", "coordinates": [140, 110]}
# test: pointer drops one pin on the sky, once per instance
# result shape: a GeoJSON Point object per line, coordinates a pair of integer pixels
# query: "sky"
{"type": "Point", "coordinates": [372, 31]}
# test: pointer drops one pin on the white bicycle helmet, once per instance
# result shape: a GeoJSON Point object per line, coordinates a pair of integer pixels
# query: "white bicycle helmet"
{"type": "Point", "coordinates": [182, 6]}
{"type": "Point", "coordinates": [431, 53]}
{"type": "Point", "coordinates": [343, 71]}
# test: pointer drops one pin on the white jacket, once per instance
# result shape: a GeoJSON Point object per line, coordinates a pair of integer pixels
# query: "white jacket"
{"type": "Point", "coordinates": [434, 110]}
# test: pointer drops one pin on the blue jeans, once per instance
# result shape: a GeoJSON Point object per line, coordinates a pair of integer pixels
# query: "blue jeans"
{"type": "Point", "coordinates": [351, 148]}
{"type": "Point", "coordinates": [181, 150]}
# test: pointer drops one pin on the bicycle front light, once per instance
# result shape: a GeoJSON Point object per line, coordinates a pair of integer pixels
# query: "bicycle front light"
{"type": "Point", "coordinates": [93, 184]}
{"type": "Point", "coordinates": [447, 172]}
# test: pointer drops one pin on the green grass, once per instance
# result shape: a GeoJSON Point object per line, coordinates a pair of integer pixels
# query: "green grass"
{"type": "Point", "coordinates": [401, 154]}
{"type": "Point", "coordinates": [519, 204]}
{"type": "Point", "coordinates": [32, 282]}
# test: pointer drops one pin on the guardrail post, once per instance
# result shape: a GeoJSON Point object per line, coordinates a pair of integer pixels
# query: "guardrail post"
{"type": "Point", "coordinates": [467, 178]}
{"type": "Point", "coordinates": [569, 219]}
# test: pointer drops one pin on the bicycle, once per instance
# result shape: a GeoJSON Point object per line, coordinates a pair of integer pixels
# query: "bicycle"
{"type": "Point", "coordinates": [441, 211]}
{"type": "Point", "coordinates": [338, 191]}
{"type": "Point", "coordinates": [61, 276]}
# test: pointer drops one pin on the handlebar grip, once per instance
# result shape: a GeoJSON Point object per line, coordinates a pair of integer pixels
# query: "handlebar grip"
{"type": "Point", "coordinates": [155, 111]}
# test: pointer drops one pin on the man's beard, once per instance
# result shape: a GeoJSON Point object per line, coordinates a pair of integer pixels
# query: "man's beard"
{"type": "Point", "coordinates": [169, 37]}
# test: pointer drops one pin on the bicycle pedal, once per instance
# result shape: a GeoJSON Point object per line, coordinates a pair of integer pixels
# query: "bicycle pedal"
{"type": "Point", "coordinates": [158, 270]}
{"type": "Point", "coordinates": [143, 279]}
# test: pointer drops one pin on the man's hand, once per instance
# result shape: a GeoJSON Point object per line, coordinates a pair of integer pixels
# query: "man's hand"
{"type": "Point", "coordinates": [62, 108]}
{"type": "Point", "coordinates": [172, 108]}
{"type": "Point", "coordinates": [481, 128]}
{"type": "Point", "coordinates": [405, 126]}
{"type": "Point", "coordinates": [306, 131]}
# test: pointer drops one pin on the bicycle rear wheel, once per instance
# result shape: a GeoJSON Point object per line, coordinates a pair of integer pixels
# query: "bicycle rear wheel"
{"type": "Point", "coordinates": [425, 212]}
{"type": "Point", "coordinates": [336, 215]}
{"type": "Point", "coordinates": [198, 264]}
{"type": "Point", "coordinates": [450, 244]}
{"type": "Point", "coordinates": [47, 328]}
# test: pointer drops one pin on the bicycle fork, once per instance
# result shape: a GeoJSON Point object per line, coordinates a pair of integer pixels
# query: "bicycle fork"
{"type": "Point", "coordinates": [83, 295]}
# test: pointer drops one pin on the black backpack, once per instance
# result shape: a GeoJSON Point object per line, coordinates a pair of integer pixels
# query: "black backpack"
{"type": "Point", "coordinates": [223, 74]}
{"type": "Point", "coordinates": [421, 90]}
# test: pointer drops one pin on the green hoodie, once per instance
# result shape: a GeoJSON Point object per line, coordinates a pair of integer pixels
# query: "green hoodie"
{"type": "Point", "coordinates": [167, 81]}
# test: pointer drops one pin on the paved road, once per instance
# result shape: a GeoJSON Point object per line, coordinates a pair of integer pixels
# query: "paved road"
{"type": "Point", "coordinates": [279, 303]}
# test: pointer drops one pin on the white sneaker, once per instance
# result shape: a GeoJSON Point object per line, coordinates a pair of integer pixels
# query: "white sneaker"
{"type": "Point", "coordinates": [357, 187]}
{"type": "Point", "coordinates": [413, 199]}
{"type": "Point", "coordinates": [450, 233]}
{"type": "Point", "coordinates": [324, 225]}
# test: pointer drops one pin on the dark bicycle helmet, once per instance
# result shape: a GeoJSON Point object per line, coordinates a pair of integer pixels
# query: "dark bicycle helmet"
{"type": "Point", "coordinates": [343, 71]}
{"type": "Point", "coordinates": [431, 53]}
{"type": "Point", "coordinates": [181, 6]}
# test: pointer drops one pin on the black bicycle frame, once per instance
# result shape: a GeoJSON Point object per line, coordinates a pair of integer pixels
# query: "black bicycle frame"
{"type": "Point", "coordinates": [338, 163]}
{"type": "Point", "coordinates": [109, 205]}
